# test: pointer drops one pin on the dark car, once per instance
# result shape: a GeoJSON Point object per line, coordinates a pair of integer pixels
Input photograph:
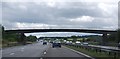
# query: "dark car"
{"type": "Point", "coordinates": [44, 43]}
{"type": "Point", "coordinates": [56, 45]}
{"type": "Point", "coordinates": [51, 42]}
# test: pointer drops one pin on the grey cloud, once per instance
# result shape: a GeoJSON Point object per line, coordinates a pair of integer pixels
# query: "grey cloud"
{"type": "Point", "coordinates": [59, 15]}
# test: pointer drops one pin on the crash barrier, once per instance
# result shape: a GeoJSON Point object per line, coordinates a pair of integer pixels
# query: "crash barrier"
{"type": "Point", "coordinates": [11, 44]}
{"type": "Point", "coordinates": [109, 51]}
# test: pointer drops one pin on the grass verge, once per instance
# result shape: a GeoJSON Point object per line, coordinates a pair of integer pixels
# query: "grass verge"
{"type": "Point", "coordinates": [11, 44]}
{"type": "Point", "coordinates": [96, 55]}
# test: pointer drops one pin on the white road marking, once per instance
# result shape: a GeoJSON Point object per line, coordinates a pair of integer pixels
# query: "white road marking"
{"type": "Point", "coordinates": [44, 53]}
{"type": "Point", "coordinates": [12, 53]}
{"type": "Point", "coordinates": [22, 48]}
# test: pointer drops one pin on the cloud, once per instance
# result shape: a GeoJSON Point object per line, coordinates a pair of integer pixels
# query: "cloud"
{"type": "Point", "coordinates": [62, 14]}
{"type": "Point", "coordinates": [83, 19]}
{"type": "Point", "coordinates": [61, 0]}
{"type": "Point", "coordinates": [33, 25]}
{"type": "Point", "coordinates": [58, 34]}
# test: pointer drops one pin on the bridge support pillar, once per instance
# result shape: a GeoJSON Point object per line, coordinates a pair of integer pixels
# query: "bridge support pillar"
{"type": "Point", "coordinates": [104, 39]}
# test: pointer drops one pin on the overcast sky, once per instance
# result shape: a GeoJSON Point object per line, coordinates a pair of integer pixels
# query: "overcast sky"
{"type": "Point", "coordinates": [44, 14]}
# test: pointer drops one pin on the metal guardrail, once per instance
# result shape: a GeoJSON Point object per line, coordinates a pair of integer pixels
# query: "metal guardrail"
{"type": "Point", "coordinates": [109, 51]}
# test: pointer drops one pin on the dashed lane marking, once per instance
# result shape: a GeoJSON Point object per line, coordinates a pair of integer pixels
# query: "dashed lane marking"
{"type": "Point", "coordinates": [12, 53]}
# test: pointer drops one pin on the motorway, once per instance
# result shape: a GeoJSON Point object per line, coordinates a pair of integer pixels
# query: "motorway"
{"type": "Point", "coordinates": [37, 50]}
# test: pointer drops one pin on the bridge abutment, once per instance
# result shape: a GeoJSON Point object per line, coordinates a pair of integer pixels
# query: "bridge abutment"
{"type": "Point", "coordinates": [21, 38]}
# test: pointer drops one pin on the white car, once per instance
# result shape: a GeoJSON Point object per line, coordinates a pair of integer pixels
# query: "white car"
{"type": "Point", "coordinates": [85, 43]}
{"type": "Point", "coordinates": [78, 42]}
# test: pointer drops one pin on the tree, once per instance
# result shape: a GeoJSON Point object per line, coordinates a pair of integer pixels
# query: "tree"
{"type": "Point", "coordinates": [1, 31]}
{"type": "Point", "coordinates": [74, 38]}
{"type": "Point", "coordinates": [31, 38]}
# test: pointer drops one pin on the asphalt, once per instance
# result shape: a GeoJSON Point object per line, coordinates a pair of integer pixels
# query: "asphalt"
{"type": "Point", "coordinates": [31, 50]}
{"type": "Point", "coordinates": [39, 51]}
{"type": "Point", "coordinates": [62, 53]}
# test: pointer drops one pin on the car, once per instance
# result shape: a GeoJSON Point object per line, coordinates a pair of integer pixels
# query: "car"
{"type": "Point", "coordinates": [56, 45]}
{"type": "Point", "coordinates": [44, 43]}
{"type": "Point", "coordinates": [85, 43]}
{"type": "Point", "coordinates": [41, 41]}
{"type": "Point", "coordinates": [51, 42]}
{"type": "Point", "coordinates": [78, 43]}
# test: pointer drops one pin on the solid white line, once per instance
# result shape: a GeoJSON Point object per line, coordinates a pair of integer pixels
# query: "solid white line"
{"type": "Point", "coordinates": [0, 53]}
{"type": "Point", "coordinates": [80, 53]}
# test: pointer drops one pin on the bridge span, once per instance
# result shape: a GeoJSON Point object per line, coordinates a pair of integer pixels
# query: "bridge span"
{"type": "Point", "coordinates": [61, 30]}
{"type": "Point", "coordinates": [104, 32]}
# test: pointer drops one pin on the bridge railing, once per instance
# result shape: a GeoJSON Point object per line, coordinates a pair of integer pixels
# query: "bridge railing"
{"type": "Point", "coordinates": [109, 51]}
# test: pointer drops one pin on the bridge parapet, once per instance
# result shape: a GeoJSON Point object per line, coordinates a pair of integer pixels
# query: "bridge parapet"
{"type": "Point", "coordinates": [62, 30]}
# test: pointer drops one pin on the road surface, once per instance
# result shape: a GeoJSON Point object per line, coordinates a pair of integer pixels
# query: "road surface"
{"type": "Point", "coordinates": [27, 51]}
{"type": "Point", "coordinates": [62, 53]}
{"type": "Point", "coordinates": [37, 50]}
